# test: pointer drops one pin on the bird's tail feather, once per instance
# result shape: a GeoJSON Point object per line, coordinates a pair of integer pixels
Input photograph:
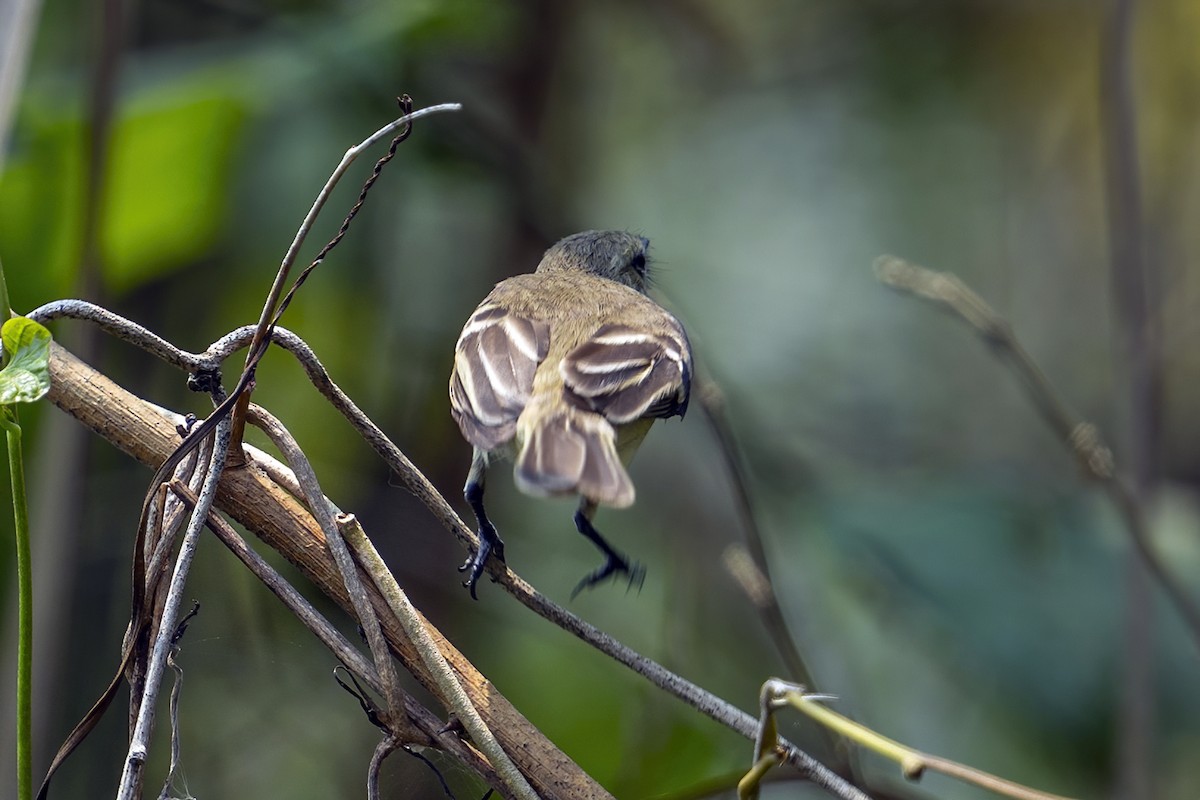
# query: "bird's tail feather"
{"type": "Point", "coordinates": [572, 451]}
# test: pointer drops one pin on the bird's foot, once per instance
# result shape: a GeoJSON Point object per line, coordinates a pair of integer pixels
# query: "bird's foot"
{"type": "Point", "coordinates": [490, 544]}
{"type": "Point", "coordinates": [616, 564]}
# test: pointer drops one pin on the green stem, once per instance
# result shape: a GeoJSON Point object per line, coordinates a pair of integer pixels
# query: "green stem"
{"type": "Point", "coordinates": [911, 761]}
{"type": "Point", "coordinates": [5, 309]}
{"type": "Point", "coordinates": [16, 470]}
{"type": "Point", "coordinates": [747, 788]}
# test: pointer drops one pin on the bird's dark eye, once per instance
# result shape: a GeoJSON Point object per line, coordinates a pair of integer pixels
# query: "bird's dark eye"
{"type": "Point", "coordinates": [639, 264]}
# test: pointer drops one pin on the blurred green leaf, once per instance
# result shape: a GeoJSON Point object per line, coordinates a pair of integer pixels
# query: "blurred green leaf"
{"type": "Point", "coordinates": [41, 195]}
{"type": "Point", "coordinates": [170, 177]}
{"type": "Point", "coordinates": [26, 377]}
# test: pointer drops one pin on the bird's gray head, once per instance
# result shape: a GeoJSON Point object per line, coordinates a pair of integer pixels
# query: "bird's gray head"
{"type": "Point", "coordinates": [616, 255]}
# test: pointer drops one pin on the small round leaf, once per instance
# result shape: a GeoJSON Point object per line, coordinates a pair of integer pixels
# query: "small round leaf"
{"type": "Point", "coordinates": [26, 377]}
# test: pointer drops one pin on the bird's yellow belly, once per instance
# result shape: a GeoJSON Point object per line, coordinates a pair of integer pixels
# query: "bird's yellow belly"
{"type": "Point", "coordinates": [630, 436]}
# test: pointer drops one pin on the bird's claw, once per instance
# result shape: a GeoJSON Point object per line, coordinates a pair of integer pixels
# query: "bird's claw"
{"type": "Point", "coordinates": [615, 565]}
{"type": "Point", "coordinates": [489, 545]}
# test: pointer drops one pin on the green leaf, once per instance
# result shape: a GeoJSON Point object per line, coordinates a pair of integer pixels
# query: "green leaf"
{"type": "Point", "coordinates": [169, 182]}
{"type": "Point", "coordinates": [171, 158]}
{"type": "Point", "coordinates": [26, 377]}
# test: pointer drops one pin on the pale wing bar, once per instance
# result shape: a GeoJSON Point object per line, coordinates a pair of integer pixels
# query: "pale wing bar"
{"type": "Point", "coordinates": [625, 373]}
{"type": "Point", "coordinates": [494, 364]}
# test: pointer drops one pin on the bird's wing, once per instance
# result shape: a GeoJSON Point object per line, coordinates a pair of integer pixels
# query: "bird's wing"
{"type": "Point", "coordinates": [494, 363]}
{"type": "Point", "coordinates": [626, 373]}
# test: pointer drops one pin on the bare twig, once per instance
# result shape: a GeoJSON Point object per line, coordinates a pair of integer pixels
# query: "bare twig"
{"type": "Point", "coordinates": [406, 106]}
{"type": "Point", "coordinates": [176, 688]}
{"type": "Point", "coordinates": [1080, 437]}
{"type": "Point", "coordinates": [289, 258]}
{"type": "Point", "coordinates": [434, 730]}
{"type": "Point", "coordinates": [171, 512]}
{"type": "Point", "coordinates": [135, 761]}
{"type": "Point", "coordinates": [125, 330]}
{"type": "Point", "coordinates": [326, 515]}
{"type": "Point", "coordinates": [156, 554]}
{"type": "Point", "coordinates": [451, 691]}
{"type": "Point", "coordinates": [387, 745]}
{"type": "Point", "coordinates": [273, 308]}
{"type": "Point", "coordinates": [140, 615]}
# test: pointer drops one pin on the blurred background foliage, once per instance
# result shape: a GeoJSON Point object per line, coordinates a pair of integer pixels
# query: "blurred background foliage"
{"type": "Point", "coordinates": [946, 570]}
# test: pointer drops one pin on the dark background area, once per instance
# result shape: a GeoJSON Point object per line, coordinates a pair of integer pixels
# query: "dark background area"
{"type": "Point", "coordinates": [946, 569]}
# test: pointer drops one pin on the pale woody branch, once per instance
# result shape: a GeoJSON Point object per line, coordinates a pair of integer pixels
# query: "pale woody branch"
{"type": "Point", "coordinates": [149, 434]}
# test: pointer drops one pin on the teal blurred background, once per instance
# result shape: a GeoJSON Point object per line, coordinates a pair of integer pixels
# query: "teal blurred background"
{"type": "Point", "coordinates": [946, 570]}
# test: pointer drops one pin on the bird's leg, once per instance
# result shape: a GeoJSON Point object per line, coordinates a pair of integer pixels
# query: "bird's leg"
{"type": "Point", "coordinates": [489, 541]}
{"type": "Point", "coordinates": [614, 562]}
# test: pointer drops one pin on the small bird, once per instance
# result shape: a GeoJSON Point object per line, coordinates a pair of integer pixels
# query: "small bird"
{"type": "Point", "coordinates": [567, 368]}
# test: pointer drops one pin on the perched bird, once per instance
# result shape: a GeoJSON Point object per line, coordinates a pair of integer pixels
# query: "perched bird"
{"type": "Point", "coordinates": [567, 368]}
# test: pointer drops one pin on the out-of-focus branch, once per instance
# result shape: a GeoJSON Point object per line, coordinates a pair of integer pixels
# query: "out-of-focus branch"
{"type": "Point", "coordinates": [1139, 362]}
{"type": "Point", "coordinates": [102, 100]}
{"type": "Point", "coordinates": [1082, 438]}
{"type": "Point", "coordinates": [18, 21]}
{"type": "Point", "coordinates": [753, 576]}
{"type": "Point", "coordinates": [747, 562]}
